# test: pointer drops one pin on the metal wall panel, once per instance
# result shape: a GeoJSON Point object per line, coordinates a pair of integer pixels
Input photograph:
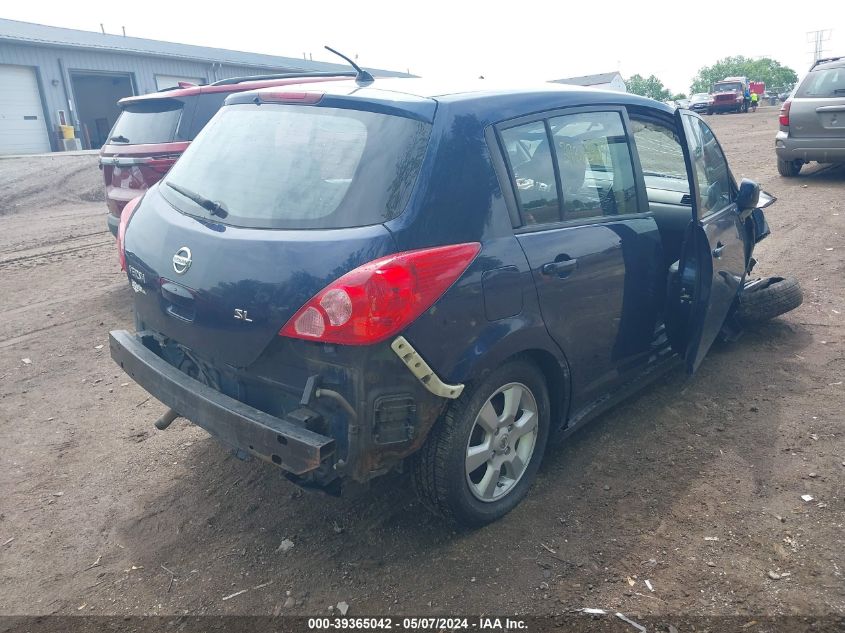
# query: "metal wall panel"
{"type": "Point", "coordinates": [54, 64]}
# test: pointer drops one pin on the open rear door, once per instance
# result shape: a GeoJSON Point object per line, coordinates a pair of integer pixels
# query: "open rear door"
{"type": "Point", "coordinates": [712, 267]}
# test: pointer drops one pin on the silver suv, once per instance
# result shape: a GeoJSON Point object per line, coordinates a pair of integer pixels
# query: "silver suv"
{"type": "Point", "coordinates": [812, 120]}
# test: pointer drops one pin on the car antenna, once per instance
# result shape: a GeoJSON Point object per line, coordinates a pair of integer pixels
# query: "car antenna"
{"type": "Point", "coordinates": [363, 77]}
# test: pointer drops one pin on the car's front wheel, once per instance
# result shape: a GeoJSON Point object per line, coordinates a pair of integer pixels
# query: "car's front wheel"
{"type": "Point", "coordinates": [768, 299]}
{"type": "Point", "coordinates": [789, 168]}
{"type": "Point", "coordinates": [483, 455]}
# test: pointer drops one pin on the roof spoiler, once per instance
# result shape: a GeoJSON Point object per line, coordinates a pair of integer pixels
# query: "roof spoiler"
{"type": "Point", "coordinates": [294, 75]}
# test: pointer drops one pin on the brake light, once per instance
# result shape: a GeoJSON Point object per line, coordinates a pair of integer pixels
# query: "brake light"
{"type": "Point", "coordinates": [125, 216]}
{"type": "Point", "coordinates": [380, 298]}
{"type": "Point", "coordinates": [275, 96]}
{"type": "Point", "coordinates": [784, 113]}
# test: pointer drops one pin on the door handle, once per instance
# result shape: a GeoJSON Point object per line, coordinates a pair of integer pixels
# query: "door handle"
{"type": "Point", "coordinates": [717, 252]}
{"type": "Point", "coordinates": [560, 269]}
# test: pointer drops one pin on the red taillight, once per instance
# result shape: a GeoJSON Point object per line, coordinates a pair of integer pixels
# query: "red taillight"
{"type": "Point", "coordinates": [784, 113]}
{"type": "Point", "coordinates": [125, 216]}
{"type": "Point", "coordinates": [380, 298]}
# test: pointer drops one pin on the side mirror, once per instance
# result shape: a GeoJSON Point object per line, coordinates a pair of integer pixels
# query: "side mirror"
{"type": "Point", "coordinates": [749, 194]}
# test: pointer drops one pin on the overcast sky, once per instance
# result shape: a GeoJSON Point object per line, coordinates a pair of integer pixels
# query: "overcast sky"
{"type": "Point", "coordinates": [520, 40]}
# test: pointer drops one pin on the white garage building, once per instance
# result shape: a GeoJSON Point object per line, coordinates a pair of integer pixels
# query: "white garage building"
{"type": "Point", "coordinates": [51, 76]}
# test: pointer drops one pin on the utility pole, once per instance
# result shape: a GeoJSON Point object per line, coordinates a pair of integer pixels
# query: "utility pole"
{"type": "Point", "coordinates": [817, 39]}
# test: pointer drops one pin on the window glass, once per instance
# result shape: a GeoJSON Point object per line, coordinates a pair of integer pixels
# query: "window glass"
{"type": "Point", "coordinates": [715, 188]}
{"type": "Point", "coordinates": [596, 174]}
{"type": "Point", "coordinates": [147, 121]}
{"type": "Point", "coordinates": [530, 158]}
{"type": "Point", "coordinates": [207, 107]}
{"type": "Point", "coordinates": [829, 82]}
{"type": "Point", "coordinates": [731, 86]}
{"type": "Point", "coordinates": [659, 149]}
{"type": "Point", "coordinates": [298, 167]}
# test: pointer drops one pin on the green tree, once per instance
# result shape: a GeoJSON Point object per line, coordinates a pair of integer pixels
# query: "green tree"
{"type": "Point", "coordinates": [776, 76]}
{"type": "Point", "coordinates": [678, 95]}
{"type": "Point", "coordinates": [649, 86]}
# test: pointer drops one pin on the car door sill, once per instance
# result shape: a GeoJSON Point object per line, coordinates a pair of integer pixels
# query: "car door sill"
{"type": "Point", "coordinates": [596, 408]}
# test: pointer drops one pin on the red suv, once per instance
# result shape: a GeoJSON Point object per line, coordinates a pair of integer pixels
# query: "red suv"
{"type": "Point", "coordinates": [153, 130]}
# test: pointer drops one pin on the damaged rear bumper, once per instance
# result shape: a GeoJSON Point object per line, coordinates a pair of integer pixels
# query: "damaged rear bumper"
{"type": "Point", "coordinates": [281, 441]}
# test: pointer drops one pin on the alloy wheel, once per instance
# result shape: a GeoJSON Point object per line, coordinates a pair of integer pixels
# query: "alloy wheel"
{"type": "Point", "coordinates": [501, 442]}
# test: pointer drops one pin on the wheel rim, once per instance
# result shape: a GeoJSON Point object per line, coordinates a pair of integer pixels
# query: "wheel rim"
{"type": "Point", "coordinates": [501, 442]}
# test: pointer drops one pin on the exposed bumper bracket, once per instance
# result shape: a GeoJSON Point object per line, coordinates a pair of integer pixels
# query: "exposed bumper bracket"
{"type": "Point", "coordinates": [406, 352]}
{"type": "Point", "coordinates": [282, 441]}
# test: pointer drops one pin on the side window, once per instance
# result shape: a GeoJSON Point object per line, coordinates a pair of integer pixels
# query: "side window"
{"type": "Point", "coordinates": [660, 151]}
{"type": "Point", "coordinates": [530, 159]}
{"type": "Point", "coordinates": [715, 187]}
{"type": "Point", "coordinates": [594, 159]}
{"type": "Point", "coordinates": [206, 107]}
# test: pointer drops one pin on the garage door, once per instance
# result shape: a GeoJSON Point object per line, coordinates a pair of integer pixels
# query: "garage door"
{"type": "Point", "coordinates": [22, 126]}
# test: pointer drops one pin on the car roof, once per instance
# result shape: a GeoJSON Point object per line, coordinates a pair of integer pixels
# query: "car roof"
{"type": "Point", "coordinates": [834, 62]}
{"type": "Point", "coordinates": [486, 99]}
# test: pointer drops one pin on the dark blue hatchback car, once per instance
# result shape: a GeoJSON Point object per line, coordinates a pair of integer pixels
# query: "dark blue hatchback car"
{"type": "Point", "coordinates": [361, 277]}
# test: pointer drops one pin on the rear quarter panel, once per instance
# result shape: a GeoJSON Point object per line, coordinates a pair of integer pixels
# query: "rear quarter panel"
{"type": "Point", "coordinates": [491, 313]}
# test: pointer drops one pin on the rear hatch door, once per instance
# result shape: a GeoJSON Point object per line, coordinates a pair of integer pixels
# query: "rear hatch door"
{"type": "Point", "coordinates": [300, 194]}
{"type": "Point", "coordinates": [148, 137]}
{"type": "Point", "coordinates": [818, 106]}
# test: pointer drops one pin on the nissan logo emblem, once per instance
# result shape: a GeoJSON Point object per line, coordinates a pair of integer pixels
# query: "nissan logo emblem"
{"type": "Point", "coordinates": [182, 260]}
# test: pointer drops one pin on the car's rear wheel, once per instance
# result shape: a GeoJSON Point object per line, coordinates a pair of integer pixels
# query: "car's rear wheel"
{"type": "Point", "coordinates": [789, 168]}
{"type": "Point", "coordinates": [483, 455]}
{"type": "Point", "coordinates": [768, 298]}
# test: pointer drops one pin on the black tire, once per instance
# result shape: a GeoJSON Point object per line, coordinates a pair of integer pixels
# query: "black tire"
{"type": "Point", "coordinates": [789, 168]}
{"type": "Point", "coordinates": [773, 297]}
{"type": "Point", "coordinates": [709, 112]}
{"type": "Point", "coordinates": [439, 467]}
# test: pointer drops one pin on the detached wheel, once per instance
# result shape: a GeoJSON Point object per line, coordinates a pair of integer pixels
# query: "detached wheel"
{"type": "Point", "coordinates": [770, 298]}
{"type": "Point", "coordinates": [789, 168]}
{"type": "Point", "coordinates": [483, 455]}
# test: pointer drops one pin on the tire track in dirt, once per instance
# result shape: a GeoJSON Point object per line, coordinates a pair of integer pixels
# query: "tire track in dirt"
{"type": "Point", "coordinates": [21, 247]}
{"type": "Point", "coordinates": [53, 301]}
{"type": "Point", "coordinates": [53, 253]}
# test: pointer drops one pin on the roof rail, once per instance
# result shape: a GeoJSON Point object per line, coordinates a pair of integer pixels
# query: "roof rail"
{"type": "Point", "coordinates": [294, 75]}
{"type": "Point", "coordinates": [169, 88]}
{"type": "Point", "coordinates": [825, 60]}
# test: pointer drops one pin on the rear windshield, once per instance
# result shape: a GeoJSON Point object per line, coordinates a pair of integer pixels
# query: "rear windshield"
{"type": "Point", "coordinates": [300, 167]}
{"type": "Point", "coordinates": [153, 121]}
{"type": "Point", "coordinates": [829, 82]}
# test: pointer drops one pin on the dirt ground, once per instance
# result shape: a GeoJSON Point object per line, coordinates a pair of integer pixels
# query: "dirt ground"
{"type": "Point", "coordinates": [694, 485]}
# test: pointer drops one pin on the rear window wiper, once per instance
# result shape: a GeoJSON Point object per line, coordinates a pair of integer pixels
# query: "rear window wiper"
{"type": "Point", "coordinates": [215, 208]}
{"type": "Point", "coordinates": [119, 139]}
